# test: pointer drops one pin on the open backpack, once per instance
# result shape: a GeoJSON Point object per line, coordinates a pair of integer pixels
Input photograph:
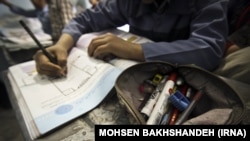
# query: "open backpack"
{"type": "Point", "coordinates": [224, 101]}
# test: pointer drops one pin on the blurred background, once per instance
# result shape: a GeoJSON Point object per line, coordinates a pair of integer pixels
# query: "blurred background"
{"type": "Point", "coordinates": [81, 4]}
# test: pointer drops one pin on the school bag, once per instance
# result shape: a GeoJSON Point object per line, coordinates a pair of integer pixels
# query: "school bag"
{"type": "Point", "coordinates": [224, 101]}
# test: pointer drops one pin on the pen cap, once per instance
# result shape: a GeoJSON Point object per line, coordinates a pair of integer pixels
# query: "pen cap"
{"type": "Point", "coordinates": [179, 100]}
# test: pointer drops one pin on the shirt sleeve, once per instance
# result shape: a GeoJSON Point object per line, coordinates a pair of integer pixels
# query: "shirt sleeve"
{"type": "Point", "coordinates": [27, 13]}
{"type": "Point", "coordinates": [205, 45]}
{"type": "Point", "coordinates": [104, 16]}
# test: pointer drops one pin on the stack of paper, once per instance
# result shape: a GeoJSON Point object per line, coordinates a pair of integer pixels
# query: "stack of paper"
{"type": "Point", "coordinates": [14, 37]}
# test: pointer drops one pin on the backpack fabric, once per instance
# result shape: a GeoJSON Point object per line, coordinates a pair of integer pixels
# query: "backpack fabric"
{"type": "Point", "coordinates": [238, 14]}
{"type": "Point", "coordinates": [223, 97]}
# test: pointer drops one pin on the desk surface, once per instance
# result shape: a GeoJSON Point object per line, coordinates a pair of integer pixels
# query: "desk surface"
{"type": "Point", "coordinates": [108, 112]}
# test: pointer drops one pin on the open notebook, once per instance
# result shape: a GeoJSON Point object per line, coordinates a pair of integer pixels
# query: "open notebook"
{"type": "Point", "coordinates": [46, 103]}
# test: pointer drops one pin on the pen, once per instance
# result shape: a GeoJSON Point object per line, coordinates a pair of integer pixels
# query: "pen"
{"type": "Point", "coordinates": [148, 107]}
{"type": "Point", "coordinates": [51, 58]}
{"type": "Point", "coordinates": [189, 109]}
{"type": "Point", "coordinates": [173, 116]}
{"type": "Point", "coordinates": [162, 102]}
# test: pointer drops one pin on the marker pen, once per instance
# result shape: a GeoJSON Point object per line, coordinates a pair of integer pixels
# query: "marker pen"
{"type": "Point", "coordinates": [147, 109]}
{"type": "Point", "coordinates": [162, 102]}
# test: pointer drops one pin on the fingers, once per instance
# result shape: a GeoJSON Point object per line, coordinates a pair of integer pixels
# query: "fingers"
{"type": "Point", "coordinates": [94, 2]}
{"type": "Point", "coordinates": [106, 44]}
{"type": "Point", "coordinates": [100, 46]}
{"type": "Point", "coordinates": [44, 66]}
{"type": "Point", "coordinates": [49, 69]}
{"type": "Point", "coordinates": [95, 43]}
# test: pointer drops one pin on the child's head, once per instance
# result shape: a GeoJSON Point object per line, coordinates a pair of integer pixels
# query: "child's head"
{"type": "Point", "coordinates": [39, 4]}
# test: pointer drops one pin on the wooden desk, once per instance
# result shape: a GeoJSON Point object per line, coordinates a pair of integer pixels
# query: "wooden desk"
{"type": "Point", "coordinates": [108, 112]}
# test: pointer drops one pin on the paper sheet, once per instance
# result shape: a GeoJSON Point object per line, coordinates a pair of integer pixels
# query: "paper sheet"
{"type": "Point", "coordinates": [53, 102]}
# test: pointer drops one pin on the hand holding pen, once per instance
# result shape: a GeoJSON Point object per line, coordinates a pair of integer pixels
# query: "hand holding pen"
{"type": "Point", "coordinates": [51, 67]}
{"type": "Point", "coordinates": [45, 67]}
